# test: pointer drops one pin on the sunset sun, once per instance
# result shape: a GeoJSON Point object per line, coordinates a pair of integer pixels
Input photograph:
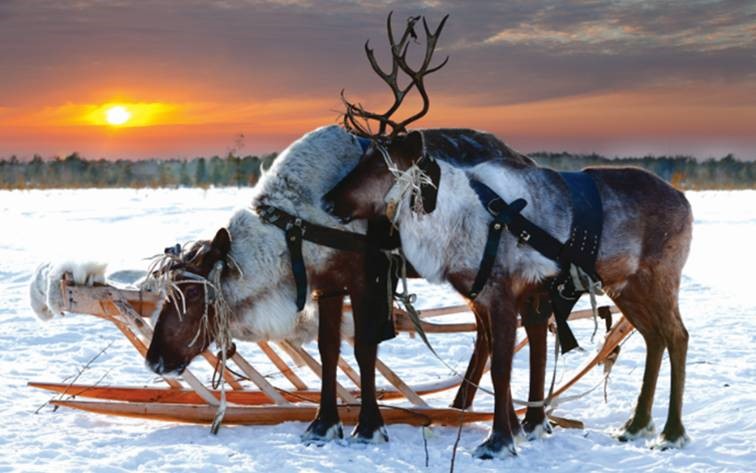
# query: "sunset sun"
{"type": "Point", "coordinates": [117, 115]}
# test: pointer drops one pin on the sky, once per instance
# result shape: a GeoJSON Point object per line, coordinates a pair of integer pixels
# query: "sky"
{"type": "Point", "coordinates": [623, 77]}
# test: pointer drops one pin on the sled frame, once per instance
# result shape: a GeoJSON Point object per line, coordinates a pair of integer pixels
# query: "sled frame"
{"type": "Point", "coordinates": [187, 399]}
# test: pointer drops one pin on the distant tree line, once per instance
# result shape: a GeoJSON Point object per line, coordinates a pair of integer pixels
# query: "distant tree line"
{"type": "Point", "coordinates": [74, 172]}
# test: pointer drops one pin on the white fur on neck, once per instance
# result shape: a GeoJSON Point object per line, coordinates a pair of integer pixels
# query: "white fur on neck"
{"type": "Point", "coordinates": [452, 237]}
{"type": "Point", "coordinates": [264, 298]}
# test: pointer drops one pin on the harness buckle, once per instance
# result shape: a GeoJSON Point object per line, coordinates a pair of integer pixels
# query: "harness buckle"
{"type": "Point", "coordinates": [524, 237]}
{"type": "Point", "coordinates": [490, 204]}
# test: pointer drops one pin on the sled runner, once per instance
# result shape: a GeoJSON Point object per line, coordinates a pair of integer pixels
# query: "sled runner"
{"type": "Point", "coordinates": [188, 399]}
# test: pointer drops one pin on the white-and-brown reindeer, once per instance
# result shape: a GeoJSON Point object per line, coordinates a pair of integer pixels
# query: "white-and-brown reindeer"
{"type": "Point", "coordinates": [257, 282]}
{"type": "Point", "coordinates": [644, 245]}
{"type": "Point", "coordinates": [261, 291]}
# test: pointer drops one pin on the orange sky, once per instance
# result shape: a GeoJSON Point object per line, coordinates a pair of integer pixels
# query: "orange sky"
{"type": "Point", "coordinates": [619, 80]}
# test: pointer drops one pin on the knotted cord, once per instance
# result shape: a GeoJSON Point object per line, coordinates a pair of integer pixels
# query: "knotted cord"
{"type": "Point", "coordinates": [165, 274]}
{"type": "Point", "coordinates": [409, 182]}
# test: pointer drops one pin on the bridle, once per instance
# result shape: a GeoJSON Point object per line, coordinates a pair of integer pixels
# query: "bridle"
{"type": "Point", "coordinates": [414, 182]}
{"type": "Point", "coordinates": [167, 283]}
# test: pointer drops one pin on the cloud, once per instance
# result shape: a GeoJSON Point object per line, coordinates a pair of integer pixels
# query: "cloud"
{"type": "Point", "coordinates": [510, 51]}
{"type": "Point", "coordinates": [234, 54]}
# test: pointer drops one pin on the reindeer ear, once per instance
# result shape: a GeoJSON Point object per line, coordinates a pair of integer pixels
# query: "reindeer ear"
{"type": "Point", "coordinates": [222, 242]}
{"type": "Point", "coordinates": [408, 149]}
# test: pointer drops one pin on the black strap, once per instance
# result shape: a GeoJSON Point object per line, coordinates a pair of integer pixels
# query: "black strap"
{"type": "Point", "coordinates": [296, 230]}
{"type": "Point", "coordinates": [581, 248]}
{"type": "Point", "coordinates": [312, 232]}
{"type": "Point", "coordinates": [380, 279]}
{"type": "Point", "coordinates": [503, 216]}
{"type": "Point", "coordinates": [519, 226]}
{"type": "Point", "coordinates": [294, 244]}
{"type": "Point", "coordinates": [587, 222]}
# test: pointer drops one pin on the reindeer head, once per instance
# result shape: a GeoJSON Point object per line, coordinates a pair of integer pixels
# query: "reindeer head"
{"type": "Point", "coordinates": [396, 164]}
{"type": "Point", "coordinates": [188, 320]}
{"type": "Point", "coordinates": [384, 178]}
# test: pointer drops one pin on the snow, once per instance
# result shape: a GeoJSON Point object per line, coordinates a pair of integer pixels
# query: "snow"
{"type": "Point", "coordinates": [125, 226]}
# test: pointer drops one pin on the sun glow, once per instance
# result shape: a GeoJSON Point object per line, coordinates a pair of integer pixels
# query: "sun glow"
{"type": "Point", "coordinates": [117, 115]}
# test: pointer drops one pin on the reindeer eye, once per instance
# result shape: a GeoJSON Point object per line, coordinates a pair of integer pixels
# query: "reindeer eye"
{"type": "Point", "coordinates": [192, 292]}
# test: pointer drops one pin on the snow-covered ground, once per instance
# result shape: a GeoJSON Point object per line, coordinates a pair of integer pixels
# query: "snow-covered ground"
{"type": "Point", "coordinates": [123, 226]}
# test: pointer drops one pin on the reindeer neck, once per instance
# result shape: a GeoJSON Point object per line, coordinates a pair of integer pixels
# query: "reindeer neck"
{"type": "Point", "coordinates": [450, 240]}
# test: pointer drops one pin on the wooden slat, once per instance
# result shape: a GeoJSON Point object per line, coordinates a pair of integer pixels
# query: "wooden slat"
{"type": "Point", "coordinates": [349, 371]}
{"type": "Point", "coordinates": [246, 397]}
{"type": "Point", "coordinates": [142, 349]}
{"type": "Point", "coordinates": [271, 415]}
{"type": "Point", "coordinates": [259, 380]}
{"type": "Point", "coordinates": [341, 391]}
{"type": "Point", "coordinates": [398, 383]}
{"type": "Point", "coordinates": [86, 299]}
{"type": "Point", "coordinates": [298, 361]}
{"type": "Point", "coordinates": [140, 326]}
{"type": "Point", "coordinates": [227, 375]}
{"type": "Point", "coordinates": [166, 395]}
{"type": "Point", "coordinates": [619, 332]}
{"type": "Point", "coordinates": [295, 380]}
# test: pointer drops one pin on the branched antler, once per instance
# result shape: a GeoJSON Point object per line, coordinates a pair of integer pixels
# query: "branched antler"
{"type": "Point", "coordinates": [357, 119]}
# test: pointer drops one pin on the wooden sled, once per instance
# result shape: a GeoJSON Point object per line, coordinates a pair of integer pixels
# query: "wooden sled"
{"type": "Point", "coordinates": [189, 400]}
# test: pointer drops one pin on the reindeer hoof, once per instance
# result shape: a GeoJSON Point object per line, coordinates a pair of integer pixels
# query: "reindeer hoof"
{"type": "Point", "coordinates": [670, 441]}
{"type": "Point", "coordinates": [629, 432]}
{"type": "Point", "coordinates": [320, 432]}
{"type": "Point", "coordinates": [535, 430]}
{"type": "Point", "coordinates": [378, 436]}
{"type": "Point", "coordinates": [496, 445]}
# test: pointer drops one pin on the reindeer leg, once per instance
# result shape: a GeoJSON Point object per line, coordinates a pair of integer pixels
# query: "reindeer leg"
{"type": "Point", "coordinates": [326, 425]}
{"type": "Point", "coordinates": [370, 427]}
{"type": "Point", "coordinates": [639, 302]}
{"type": "Point", "coordinates": [481, 352]}
{"type": "Point", "coordinates": [535, 423]}
{"type": "Point", "coordinates": [503, 315]}
{"type": "Point", "coordinates": [676, 336]}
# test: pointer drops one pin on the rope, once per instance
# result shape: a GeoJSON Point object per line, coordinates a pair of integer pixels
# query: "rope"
{"type": "Point", "coordinates": [551, 402]}
{"type": "Point", "coordinates": [584, 283]}
{"type": "Point", "coordinates": [406, 183]}
{"type": "Point", "coordinates": [165, 275]}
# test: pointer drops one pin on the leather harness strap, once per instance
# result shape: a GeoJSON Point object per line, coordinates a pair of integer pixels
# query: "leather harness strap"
{"type": "Point", "coordinates": [504, 215]}
{"type": "Point", "coordinates": [296, 230]}
{"type": "Point", "coordinates": [581, 249]}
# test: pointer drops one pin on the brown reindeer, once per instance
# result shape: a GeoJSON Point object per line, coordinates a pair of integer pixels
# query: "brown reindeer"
{"type": "Point", "coordinates": [644, 245]}
{"type": "Point", "coordinates": [329, 273]}
{"type": "Point", "coordinates": [257, 283]}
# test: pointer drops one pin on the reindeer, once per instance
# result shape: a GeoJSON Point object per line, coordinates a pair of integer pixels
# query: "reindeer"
{"type": "Point", "coordinates": [247, 264]}
{"type": "Point", "coordinates": [647, 227]}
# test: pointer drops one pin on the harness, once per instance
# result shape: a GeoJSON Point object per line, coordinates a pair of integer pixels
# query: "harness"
{"type": "Point", "coordinates": [576, 257]}
{"type": "Point", "coordinates": [419, 181]}
{"type": "Point", "coordinates": [373, 244]}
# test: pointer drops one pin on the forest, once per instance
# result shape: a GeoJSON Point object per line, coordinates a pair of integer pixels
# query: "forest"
{"type": "Point", "coordinates": [74, 171]}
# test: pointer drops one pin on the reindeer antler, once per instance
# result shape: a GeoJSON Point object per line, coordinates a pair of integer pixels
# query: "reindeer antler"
{"type": "Point", "coordinates": [357, 118]}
